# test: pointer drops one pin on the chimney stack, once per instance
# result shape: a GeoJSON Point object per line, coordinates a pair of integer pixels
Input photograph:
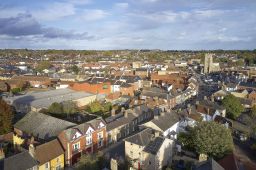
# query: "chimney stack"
{"type": "Point", "coordinates": [113, 112]}
{"type": "Point", "coordinates": [126, 113]}
{"type": "Point", "coordinates": [156, 117]}
{"type": "Point", "coordinates": [31, 150]}
{"type": "Point", "coordinates": [162, 113]}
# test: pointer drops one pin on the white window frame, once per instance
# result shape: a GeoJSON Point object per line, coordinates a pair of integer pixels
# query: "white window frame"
{"type": "Point", "coordinates": [76, 144]}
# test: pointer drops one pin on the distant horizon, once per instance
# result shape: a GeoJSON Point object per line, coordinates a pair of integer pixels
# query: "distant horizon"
{"type": "Point", "coordinates": [129, 24]}
{"type": "Point", "coordinates": [30, 49]}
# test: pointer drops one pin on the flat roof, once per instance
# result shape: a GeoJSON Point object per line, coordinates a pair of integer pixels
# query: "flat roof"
{"type": "Point", "coordinates": [46, 98]}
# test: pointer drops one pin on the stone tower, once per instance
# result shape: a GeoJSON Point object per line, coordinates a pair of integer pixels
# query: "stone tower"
{"type": "Point", "coordinates": [208, 63]}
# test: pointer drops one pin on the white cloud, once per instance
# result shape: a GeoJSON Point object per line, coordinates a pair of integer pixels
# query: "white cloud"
{"type": "Point", "coordinates": [121, 5]}
{"type": "Point", "coordinates": [54, 11]}
{"type": "Point", "coordinates": [93, 14]}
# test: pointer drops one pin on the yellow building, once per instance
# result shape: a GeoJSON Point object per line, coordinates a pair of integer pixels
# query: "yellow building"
{"type": "Point", "coordinates": [50, 155]}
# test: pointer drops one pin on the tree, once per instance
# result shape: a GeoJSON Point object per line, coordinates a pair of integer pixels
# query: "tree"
{"type": "Point", "coordinates": [55, 108]}
{"type": "Point", "coordinates": [212, 139]}
{"type": "Point", "coordinates": [6, 117]}
{"type": "Point", "coordinates": [43, 65]}
{"type": "Point", "coordinates": [95, 107]}
{"type": "Point", "coordinates": [69, 107]}
{"type": "Point", "coordinates": [90, 162]}
{"type": "Point", "coordinates": [233, 106]}
{"type": "Point", "coordinates": [75, 69]}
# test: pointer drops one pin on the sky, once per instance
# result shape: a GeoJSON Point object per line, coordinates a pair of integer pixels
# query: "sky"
{"type": "Point", "coordinates": [129, 24]}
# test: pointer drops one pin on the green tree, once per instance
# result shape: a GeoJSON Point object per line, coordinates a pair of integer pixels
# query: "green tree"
{"type": "Point", "coordinates": [95, 107]}
{"type": "Point", "coordinates": [233, 106]}
{"type": "Point", "coordinates": [75, 69]}
{"type": "Point", "coordinates": [43, 65]}
{"type": "Point", "coordinates": [55, 108]}
{"type": "Point", "coordinates": [186, 139]}
{"type": "Point", "coordinates": [69, 107]}
{"type": "Point", "coordinates": [6, 117]}
{"type": "Point", "coordinates": [212, 139]}
{"type": "Point", "coordinates": [90, 162]}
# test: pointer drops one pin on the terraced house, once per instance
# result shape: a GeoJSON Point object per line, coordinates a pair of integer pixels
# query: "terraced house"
{"type": "Point", "coordinates": [85, 138]}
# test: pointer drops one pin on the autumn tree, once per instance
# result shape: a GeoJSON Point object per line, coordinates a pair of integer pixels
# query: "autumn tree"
{"type": "Point", "coordinates": [233, 106]}
{"type": "Point", "coordinates": [6, 117]}
{"type": "Point", "coordinates": [212, 139]}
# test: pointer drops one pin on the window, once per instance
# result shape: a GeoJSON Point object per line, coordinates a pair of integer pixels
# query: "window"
{"type": "Point", "coordinates": [58, 167]}
{"type": "Point", "coordinates": [88, 140]}
{"type": "Point", "coordinates": [76, 146]}
{"type": "Point", "coordinates": [47, 165]}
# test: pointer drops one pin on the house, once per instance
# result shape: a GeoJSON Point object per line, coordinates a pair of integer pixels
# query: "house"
{"type": "Point", "coordinates": [126, 122]}
{"type": "Point", "coordinates": [209, 110]}
{"type": "Point", "coordinates": [41, 126]}
{"type": "Point", "coordinates": [21, 161]}
{"type": "Point", "coordinates": [179, 81]}
{"type": "Point", "coordinates": [49, 155]}
{"type": "Point", "coordinates": [92, 87]}
{"type": "Point", "coordinates": [166, 122]}
{"type": "Point", "coordinates": [230, 87]}
{"type": "Point", "coordinates": [88, 137]}
{"type": "Point", "coordinates": [34, 81]}
{"type": "Point", "coordinates": [147, 150]}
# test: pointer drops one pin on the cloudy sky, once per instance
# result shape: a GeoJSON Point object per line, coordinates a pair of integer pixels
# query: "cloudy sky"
{"type": "Point", "coordinates": [130, 24]}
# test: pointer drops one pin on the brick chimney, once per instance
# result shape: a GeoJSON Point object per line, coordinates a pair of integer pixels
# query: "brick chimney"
{"type": "Point", "coordinates": [2, 155]}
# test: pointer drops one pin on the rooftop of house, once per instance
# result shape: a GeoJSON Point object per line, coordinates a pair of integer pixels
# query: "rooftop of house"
{"type": "Point", "coordinates": [210, 164]}
{"type": "Point", "coordinates": [48, 151]}
{"type": "Point", "coordinates": [165, 120]}
{"type": "Point", "coordinates": [154, 145]}
{"type": "Point", "coordinates": [142, 138]}
{"type": "Point", "coordinates": [20, 161]}
{"type": "Point", "coordinates": [42, 126]}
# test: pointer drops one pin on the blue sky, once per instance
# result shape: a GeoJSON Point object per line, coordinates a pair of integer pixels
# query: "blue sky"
{"type": "Point", "coordinates": [130, 24]}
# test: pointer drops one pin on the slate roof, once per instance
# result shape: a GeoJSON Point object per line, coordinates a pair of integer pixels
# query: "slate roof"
{"type": "Point", "coordinates": [120, 121]}
{"type": "Point", "coordinates": [42, 126]}
{"type": "Point", "coordinates": [48, 151]}
{"type": "Point", "coordinates": [165, 120]}
{"type": "Point", "coordinates": [210, 164]}
{"type": "Point", "coordinates": [154, 146]}
{"type": "Point", "coordinates": [142, 138]}
{"type": "Point", "coordinates": [20, 161]}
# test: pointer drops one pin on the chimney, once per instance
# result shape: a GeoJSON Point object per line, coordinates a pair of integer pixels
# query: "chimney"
{"type": "Point", "coordinates": [197, 102]}
{"type": "Point", "coordinates": [122, 109]}
{"type": "Point", "coordinates": [157, 134]}
{"type": "Point", "coordinates": [2, 155]}
{"type": "Point", "coordinates": [156, 117]}
{"type": "Point", "coordinates": [125, 113]}
{"type": "Point", "coordinates": [113, 112]}
{"type": "Point", "coordinates": [205, 97]}
{"type": "Point", "coordinates": [31, 150]}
